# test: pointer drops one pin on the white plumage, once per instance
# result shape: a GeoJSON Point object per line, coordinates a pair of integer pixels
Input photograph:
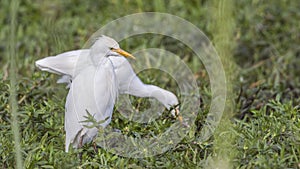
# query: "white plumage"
{"type": "Point", "coordinates": [93, 90]}
{"type": "Point", "coordinates": [95, 77]}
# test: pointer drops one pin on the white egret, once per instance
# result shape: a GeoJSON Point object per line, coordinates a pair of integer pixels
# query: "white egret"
{"type": "Point", "coordinates": [77, 71]}
{"type": "Point", "coordinates": [128, 82]}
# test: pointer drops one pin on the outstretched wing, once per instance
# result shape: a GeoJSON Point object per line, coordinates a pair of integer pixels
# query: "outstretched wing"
{"type": "Point", "coordinates": [67, 63]}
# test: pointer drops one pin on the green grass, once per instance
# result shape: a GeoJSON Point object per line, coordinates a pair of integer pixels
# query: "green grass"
{"type": "Point", "coordinates": [266, 89]}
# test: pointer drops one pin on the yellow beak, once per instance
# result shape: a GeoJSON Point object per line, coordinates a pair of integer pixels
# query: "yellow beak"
{"type": "Point", "coordinates": [123, 53]}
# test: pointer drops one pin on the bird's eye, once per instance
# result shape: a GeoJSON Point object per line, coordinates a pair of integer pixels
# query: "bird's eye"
{"type": "Point", "coordinates": [111, 48]}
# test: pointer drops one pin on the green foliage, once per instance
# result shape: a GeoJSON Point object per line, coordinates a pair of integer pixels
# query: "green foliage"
{"type": "Point", "coordinates": [267, 55]}
{"type": "Point", "coordinates": [271, 139]}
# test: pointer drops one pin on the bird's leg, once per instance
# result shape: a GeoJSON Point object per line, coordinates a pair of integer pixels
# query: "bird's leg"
{"type": "Point", "coordinates": [80, 142]}
{"type": "Point", "coordinates": [79, 146]}
{"type": "Point", "coordinates": [95, 147]}
{"type": "Point", "coordinates": [80, 157]}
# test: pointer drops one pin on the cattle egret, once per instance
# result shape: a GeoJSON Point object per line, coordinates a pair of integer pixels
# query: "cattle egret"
{"type": "Point", "coordinates": [110, 74]}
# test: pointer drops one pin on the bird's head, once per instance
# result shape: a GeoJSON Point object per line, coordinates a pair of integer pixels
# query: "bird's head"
{"type": "Point", "coordinates": [105, 46]}
{"type": "Point", "coordinates": [172, 104]}
{"type": "Point", "coordinates": [169, 100]}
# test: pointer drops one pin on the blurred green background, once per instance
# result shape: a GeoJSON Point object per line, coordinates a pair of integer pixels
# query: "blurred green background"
{"type": "Point", "coordinates": [264, 56]}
